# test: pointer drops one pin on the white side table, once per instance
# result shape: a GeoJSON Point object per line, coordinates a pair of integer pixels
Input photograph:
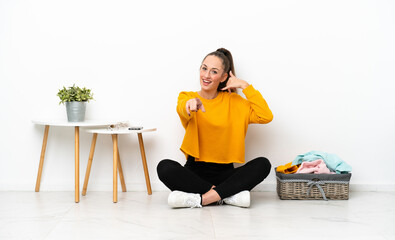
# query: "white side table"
{"type": "Point", "coordinates": [116, 159]}
{"type": "Point", "coordinates": [76, 125]}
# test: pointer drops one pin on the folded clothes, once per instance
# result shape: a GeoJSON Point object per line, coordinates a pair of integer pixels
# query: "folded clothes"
{"type": "Point", "coordinates": [287, 168]}
{"type": "Point", "coordinates": [317, 167]}
{"type": "Point", "coordinates": [332, 161]}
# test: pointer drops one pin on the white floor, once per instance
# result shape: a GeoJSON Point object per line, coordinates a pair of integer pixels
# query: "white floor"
{"type": "Point", "coordinates": [54, 215]}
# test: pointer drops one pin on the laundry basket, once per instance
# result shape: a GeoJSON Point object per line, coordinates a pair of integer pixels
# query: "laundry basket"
{"type": "Point", "coordinates": [313, 186]}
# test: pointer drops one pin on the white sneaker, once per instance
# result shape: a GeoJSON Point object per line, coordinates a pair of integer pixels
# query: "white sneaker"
{"type": "Point", "coordinates": [178, 199]}
{"type": "Point", "coordinates": [241, 199]}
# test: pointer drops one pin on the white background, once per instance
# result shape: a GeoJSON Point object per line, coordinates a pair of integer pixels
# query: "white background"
{"type": "Point", "coordinates": [326, 69]}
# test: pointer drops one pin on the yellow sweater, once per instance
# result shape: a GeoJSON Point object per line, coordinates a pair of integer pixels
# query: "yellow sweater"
{"type": "Point", "coordinates": [218, 134]}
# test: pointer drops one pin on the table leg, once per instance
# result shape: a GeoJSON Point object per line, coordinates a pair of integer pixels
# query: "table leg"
{"type": "Point", "coordinates": [40, 167]}
{"type": "Point", "coordinates": [115, 161]}
{"type": "Point", "coordinates": [88, 168]}
{"type": "Point", "coordinates": [77, 164]}
{"type": "Point", "coordinates": [121, 173]}
{"type": "Point", "coordinates": [142, 151]}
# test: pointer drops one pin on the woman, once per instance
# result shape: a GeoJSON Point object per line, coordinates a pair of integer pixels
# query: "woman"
{"type": "Point", "coordinates": [216, 121]}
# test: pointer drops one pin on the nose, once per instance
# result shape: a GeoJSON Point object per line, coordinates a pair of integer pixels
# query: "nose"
{"type": "Point", "coordinates": [207, 74]}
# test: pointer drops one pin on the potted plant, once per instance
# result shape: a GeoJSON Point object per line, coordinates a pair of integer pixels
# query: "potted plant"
{"type": "Point", "coordinates": [75, 99]}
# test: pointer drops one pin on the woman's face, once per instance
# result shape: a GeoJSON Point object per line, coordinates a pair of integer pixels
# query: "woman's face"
{"type": "Point", "coordinates": [211, 73]}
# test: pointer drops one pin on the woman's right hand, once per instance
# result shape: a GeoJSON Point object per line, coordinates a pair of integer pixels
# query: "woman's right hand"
{"type": "Point", "coordinates": [193, 105]}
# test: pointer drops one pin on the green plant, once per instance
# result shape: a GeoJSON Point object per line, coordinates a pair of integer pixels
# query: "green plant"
{"type": "Point", "coordinates": [74, 94]}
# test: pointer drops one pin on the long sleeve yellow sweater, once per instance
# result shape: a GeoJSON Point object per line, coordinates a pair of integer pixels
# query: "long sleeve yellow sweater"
{"type": "Point", "coordinates": [218, 134]}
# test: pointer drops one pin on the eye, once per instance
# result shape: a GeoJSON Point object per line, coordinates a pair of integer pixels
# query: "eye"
{"type": "Point", "coordinates": [204, 68]}
{"type": "Point", "coordinates": [214, 72]}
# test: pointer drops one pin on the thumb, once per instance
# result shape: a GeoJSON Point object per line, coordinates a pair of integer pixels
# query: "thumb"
{"type": "Point", "coordinates": [231, 74]}
{"type": "Point", "coordinates": [225, 88]}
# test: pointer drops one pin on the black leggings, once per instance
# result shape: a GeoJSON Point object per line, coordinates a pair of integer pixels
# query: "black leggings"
{"type": "Point", "coordinates": [199, 177]}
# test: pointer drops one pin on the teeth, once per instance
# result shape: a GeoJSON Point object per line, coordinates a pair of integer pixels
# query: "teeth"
{"type": "Point", "coordinates": [206, 81]}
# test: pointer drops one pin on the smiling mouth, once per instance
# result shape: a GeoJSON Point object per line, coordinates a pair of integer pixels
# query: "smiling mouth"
{"type": "Point", "coordinates": [207, 82]}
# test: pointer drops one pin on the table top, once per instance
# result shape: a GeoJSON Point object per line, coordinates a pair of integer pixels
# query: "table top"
{"type": "Point", "coordinates": [86, 123]}
{"type": "Point", "coordinates": [120, 131]}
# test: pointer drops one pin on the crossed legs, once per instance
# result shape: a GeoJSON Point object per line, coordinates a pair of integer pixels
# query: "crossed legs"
{"type": "Point", "coordinates": [212, 185]}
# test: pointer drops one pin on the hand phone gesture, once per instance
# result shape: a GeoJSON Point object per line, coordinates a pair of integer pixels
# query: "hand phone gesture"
{"type": "Point", "coordinates": [234, 83]}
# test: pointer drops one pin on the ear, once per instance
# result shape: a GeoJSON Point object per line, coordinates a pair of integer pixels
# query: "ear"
{"type": "Point", "coordinates": [224, 77]}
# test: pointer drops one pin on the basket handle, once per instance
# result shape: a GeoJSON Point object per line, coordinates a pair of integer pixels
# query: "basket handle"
{"type": "Point", "coordinates": [316, 182]}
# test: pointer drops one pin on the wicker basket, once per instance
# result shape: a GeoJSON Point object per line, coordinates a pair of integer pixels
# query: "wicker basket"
{"type": "Point", "coordinates": [313, 186]}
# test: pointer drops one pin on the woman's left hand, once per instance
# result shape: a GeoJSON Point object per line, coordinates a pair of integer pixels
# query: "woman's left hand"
{"type": "Point", "coordinates": [234, 83]}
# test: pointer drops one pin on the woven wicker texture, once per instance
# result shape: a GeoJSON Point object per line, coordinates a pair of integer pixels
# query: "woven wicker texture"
{"type": "Point", "coordinates": [298, 190]}
{"type": "Point", "coordinates": [307, 186]}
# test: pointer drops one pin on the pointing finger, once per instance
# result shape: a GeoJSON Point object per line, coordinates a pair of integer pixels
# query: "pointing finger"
{"type": "Point", "coordinates": [202, 108]}
{"type": "Point", "coordinates": [199, 105]}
